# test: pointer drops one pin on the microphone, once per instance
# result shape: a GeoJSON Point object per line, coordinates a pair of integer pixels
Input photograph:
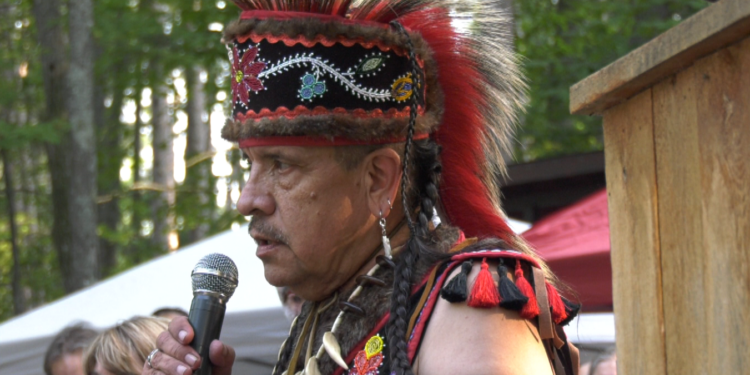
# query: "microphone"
{"type": "Point", "coordinates": [214, 281]}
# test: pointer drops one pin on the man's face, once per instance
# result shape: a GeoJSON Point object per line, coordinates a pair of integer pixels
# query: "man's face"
{"type": "Point", "coordinates": [69, 364]}
{"type": "Point", "coordinates": [310, 217]}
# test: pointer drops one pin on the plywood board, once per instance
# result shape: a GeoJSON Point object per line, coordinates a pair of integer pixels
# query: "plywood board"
{"type": "Point", "coordinates": [721, 24]}
{"type": "Point", "coordinates": [631, 186]}
{"type": "Point", "coordinates": [683, 256]}
{"type": "Point", "coordinates": [723, 113]}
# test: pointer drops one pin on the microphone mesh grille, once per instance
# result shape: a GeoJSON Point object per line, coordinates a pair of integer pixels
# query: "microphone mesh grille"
{"type": "Point", "coordinates": [216, 273]}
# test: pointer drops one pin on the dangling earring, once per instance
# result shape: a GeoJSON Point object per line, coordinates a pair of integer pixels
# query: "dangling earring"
{"type": "Point", "coordinates": [386, 241]}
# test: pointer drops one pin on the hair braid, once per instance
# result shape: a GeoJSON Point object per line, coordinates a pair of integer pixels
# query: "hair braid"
{"type": "Point", "coordinates": [424, 194]}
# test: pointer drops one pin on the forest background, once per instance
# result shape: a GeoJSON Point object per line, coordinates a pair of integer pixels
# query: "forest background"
{"type": "Point", "coordinates": [111, 110]}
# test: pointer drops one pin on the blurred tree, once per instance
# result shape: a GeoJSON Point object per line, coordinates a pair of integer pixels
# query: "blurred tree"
{"type": "Point", "coordinates": [564, 41]}
{"type": "Point", "coordinates": [83, 269]}
{"type": "Point", "coordinates": [198, 156]}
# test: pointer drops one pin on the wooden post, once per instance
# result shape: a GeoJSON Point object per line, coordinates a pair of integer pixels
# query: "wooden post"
{"type": "Point", "coordinates": [677, 148]}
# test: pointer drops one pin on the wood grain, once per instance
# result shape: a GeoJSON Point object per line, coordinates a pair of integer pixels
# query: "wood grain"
{"type": "Point", "coordinates": [631, 186]}
{"type": "Point", "coordinates": [723, 113]}
{"type": "Point", "coordinates": [683, 256]}
{"type": "Point", "coordinates": [719, 25]}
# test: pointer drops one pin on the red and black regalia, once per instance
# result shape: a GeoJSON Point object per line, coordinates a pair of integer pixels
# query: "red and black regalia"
{"type": "Point", "coordinates": [441, 78]}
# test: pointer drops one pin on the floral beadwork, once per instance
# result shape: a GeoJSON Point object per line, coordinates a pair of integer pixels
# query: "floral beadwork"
{"type": "Point", "coordinates": [371, 64]}
{"type": "Point", "coordinates": [322, 67]}
{"type": "Point", "coordinates": [245, 72]}
{"type": "Point", "coordinates": [369, 359]}
{"type": "Point", "coordinates": [402, 88]}
{"type": "Point", "coordinates": [311, 87]}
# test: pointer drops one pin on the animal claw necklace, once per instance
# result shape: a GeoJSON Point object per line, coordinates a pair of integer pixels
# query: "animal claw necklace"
{"type": "Point", "coordinates": [330, 344]}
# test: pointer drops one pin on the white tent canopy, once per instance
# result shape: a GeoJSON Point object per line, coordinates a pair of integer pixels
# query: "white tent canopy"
{"type": "Point", "coordinates": [254, 325]}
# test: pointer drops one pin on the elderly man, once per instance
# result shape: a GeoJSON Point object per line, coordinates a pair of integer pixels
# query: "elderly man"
{"type": "Point", "coordinates": [374, 135]}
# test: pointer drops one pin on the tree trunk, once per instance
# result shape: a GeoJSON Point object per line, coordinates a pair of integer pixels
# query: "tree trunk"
{"type": "Point", "coordinates": [110, 157]}
{"type": "Point", "coordinates": [198, 161]}
{"type": "Point", "coordinates": [54, 68]}
{"type": "Point", "coordinates": [163, 169]}
{"type": "Point", "coordinates": [83, 159]}
{"type": "Point", "coordinates": [18, 298]}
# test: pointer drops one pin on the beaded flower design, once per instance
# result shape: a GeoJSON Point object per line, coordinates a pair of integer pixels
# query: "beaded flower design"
{"type": "Point", "coordinates": [245, 71]}
{"type": "Point", "coordinates": [368, 360]}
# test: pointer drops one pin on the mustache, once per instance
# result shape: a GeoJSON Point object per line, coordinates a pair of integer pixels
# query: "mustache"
{"type": "Point", "coordinates": [265, 229]}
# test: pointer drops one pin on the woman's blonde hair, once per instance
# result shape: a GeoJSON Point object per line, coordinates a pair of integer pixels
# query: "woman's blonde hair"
{"type": "Point", "coordinates": [122, 349]}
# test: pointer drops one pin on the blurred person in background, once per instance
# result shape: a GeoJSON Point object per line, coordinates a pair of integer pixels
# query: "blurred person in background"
{"type": "Point", "coordinates": [291, 302]}
{"type": "Point", "coordinates": [124, 348]}
{"type": "Point", "coordinates": [169, 312]}
{"type": "Point", "coordinates": [605, 364]}
{"type": "Point", "coordinates": [64, 354]}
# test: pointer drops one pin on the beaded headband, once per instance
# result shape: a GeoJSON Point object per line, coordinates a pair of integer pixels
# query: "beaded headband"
{"type": "Point", "coordinates": [306, 79]}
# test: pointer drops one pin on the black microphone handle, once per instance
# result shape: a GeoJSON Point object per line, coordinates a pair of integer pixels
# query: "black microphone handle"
{"type": "Point", "coordinates": [206, 317]}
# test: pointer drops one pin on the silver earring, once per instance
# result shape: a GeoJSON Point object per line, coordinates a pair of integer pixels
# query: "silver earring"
{"type": "Point", "coordinates": [386, 241]}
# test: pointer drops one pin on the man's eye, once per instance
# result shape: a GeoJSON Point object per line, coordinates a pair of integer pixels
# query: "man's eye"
{"type": "Point", "coordinates": [280, 165]}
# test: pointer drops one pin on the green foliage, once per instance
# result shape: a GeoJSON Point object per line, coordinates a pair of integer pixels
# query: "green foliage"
{"type": "Point", "coordinates": [564, 41]}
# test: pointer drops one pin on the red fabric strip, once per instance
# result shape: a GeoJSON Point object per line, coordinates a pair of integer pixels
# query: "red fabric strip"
{"type": "Point", "coordinates": [353, 353]}
{"type": "Point", "coordinates": [307, 141]}
{"type": "Point", "coordinates": [495, 254]}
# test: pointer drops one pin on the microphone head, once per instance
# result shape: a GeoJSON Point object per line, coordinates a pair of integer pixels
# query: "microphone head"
{"type": "Point", "coordinates": [215, 274]}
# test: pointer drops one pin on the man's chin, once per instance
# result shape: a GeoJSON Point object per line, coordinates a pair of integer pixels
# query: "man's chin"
{"type": "Point", "coordinates": [275, 275]}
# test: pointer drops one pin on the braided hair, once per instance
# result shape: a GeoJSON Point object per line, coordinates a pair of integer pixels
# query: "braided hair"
{"type": "Point", "coordinates": [421, 197]}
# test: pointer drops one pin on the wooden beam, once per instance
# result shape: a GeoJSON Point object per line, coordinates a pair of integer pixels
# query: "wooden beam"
{"type": "Point", "coordinates": [634, 223]}
{"type": "Point", "coordinates": [723, 116]}
{"type": "Point", "coordinates": [683, 257]}
{"type": "Point", "coordinates": [719, 25]}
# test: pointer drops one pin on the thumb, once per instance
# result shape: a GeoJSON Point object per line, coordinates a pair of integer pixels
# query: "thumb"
{"type": "Point", "coordinates": [222, 358]}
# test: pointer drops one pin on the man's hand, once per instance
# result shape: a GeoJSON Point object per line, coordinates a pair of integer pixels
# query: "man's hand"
{"type": "Point", "coordinates": [176, 357]}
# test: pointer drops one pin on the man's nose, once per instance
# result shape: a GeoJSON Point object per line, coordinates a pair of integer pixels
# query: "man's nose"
{"type": "Point", "coordinates": [254, 200]}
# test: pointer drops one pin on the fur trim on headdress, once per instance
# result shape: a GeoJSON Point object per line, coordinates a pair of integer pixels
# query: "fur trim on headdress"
{"type": "Point", "coordinates": [474, 83]}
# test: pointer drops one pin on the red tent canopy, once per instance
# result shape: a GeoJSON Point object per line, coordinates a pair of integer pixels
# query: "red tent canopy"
{"type": "Point", "coordinates": [575, 243]}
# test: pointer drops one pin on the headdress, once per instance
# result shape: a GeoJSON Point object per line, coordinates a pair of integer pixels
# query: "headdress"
{"type": "Point", "coordinates": [336, 72]}
{"type": "Point", "coordinates": [366, 72]}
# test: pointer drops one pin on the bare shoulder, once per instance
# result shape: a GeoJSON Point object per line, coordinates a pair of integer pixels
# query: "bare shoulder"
{"type": "Point", "coordinates": [464, 340]}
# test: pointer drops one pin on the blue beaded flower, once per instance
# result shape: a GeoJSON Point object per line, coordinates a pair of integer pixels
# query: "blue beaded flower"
{"type": "Point", "coordinates": [311, 87]}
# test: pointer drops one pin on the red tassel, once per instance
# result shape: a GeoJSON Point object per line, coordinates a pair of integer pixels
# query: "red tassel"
{"type": "Point", "coordinates": [531, 309]}
{"type": "Point", "coordinates": [558, 308]}
{"type": "Point", "coordinates": [484, 293]}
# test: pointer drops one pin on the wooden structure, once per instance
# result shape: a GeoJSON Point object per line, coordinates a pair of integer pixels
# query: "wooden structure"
{"type": "Point", "coordinates": [677, 153]}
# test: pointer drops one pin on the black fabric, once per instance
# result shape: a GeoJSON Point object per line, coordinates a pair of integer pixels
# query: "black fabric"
{"type": "Point", "coordinates": [511, 297]}
{"type": "Point", "coordinates": [286, 87]}
{"type": "Point", "coordinates": [563, 354]}
{"type": "Point", "coordinates": [456, 289]}
{"type": "Point", "coordinates": [572, 309]}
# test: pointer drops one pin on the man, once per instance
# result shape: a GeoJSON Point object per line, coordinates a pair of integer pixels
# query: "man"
{"type": "Point", "coordinates": [64, 354]}
{"type": "Point", "coordinates": [374, 135]}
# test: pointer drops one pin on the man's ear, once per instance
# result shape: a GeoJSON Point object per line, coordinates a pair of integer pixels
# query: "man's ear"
{"type": "Point", "coordinates": [382, 179]}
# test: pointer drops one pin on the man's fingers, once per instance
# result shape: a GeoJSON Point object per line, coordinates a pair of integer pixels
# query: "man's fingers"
{"type": "Point", "coordinates": [183, 353]}
{"type": "Point", "coordinates": [181, 330]}
{"type": "Point", "coordinates": [222, 358]}
{"type": "Point", "coordinates": [162, 363]}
